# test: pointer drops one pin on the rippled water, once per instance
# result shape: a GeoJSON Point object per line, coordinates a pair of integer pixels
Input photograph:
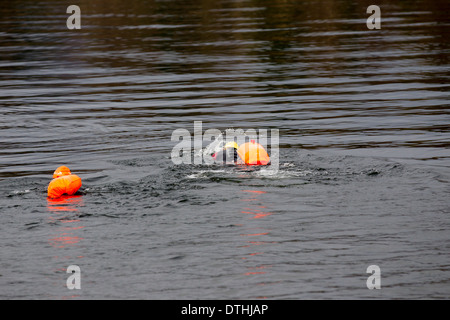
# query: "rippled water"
{"type": "Point", "coordinates": [363, 118]}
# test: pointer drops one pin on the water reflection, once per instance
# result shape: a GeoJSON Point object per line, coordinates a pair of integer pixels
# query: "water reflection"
{"type": "Point", "coordinates": [67, 225]}
{"type": "Point", "coordinates": [255, 235]}
{"type": "Point", "coordinates": [64, 204]}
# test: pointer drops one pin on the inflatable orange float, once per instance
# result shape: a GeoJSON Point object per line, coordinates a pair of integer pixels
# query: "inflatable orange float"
{"type": "Point", "coordinates": [64, 182]}
{"type": "Point", "coordinates": [252, 153]}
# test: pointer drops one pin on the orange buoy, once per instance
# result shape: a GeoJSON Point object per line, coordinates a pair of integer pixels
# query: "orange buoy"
{"type": "Point", "coordinates": [64, 182]}
{"type": "Point", "coordinates": [253, 153]}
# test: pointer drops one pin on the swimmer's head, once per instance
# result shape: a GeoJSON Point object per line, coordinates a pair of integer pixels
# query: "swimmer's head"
{"type": "Point", "coordinates": [228, 154]}
{"type": "Point", "coordinates": [61, 171]}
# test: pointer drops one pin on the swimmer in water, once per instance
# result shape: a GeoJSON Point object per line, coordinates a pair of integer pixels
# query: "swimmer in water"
{"type": "Point", "coordinates": [228, 154]}
{"type": "Point", "coordinates": [250, 153]}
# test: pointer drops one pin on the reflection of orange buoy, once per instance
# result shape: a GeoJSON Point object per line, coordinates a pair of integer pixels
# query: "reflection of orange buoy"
{"type": "Point", "coordinates": [64, 203]}
{"type": "Point", "coordinates": [64, 182]}
{"type": "Point", "coordinates": [253, 153]}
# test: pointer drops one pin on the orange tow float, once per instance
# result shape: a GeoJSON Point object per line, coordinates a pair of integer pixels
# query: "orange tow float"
{"type": "Point", "coordinates": [252, 153]}
{"type": "Point", "coordinates": [64, 182]}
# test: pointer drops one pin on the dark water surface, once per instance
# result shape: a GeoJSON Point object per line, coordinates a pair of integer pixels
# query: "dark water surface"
{"type": "Point", "coordinates": [363, 117]}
